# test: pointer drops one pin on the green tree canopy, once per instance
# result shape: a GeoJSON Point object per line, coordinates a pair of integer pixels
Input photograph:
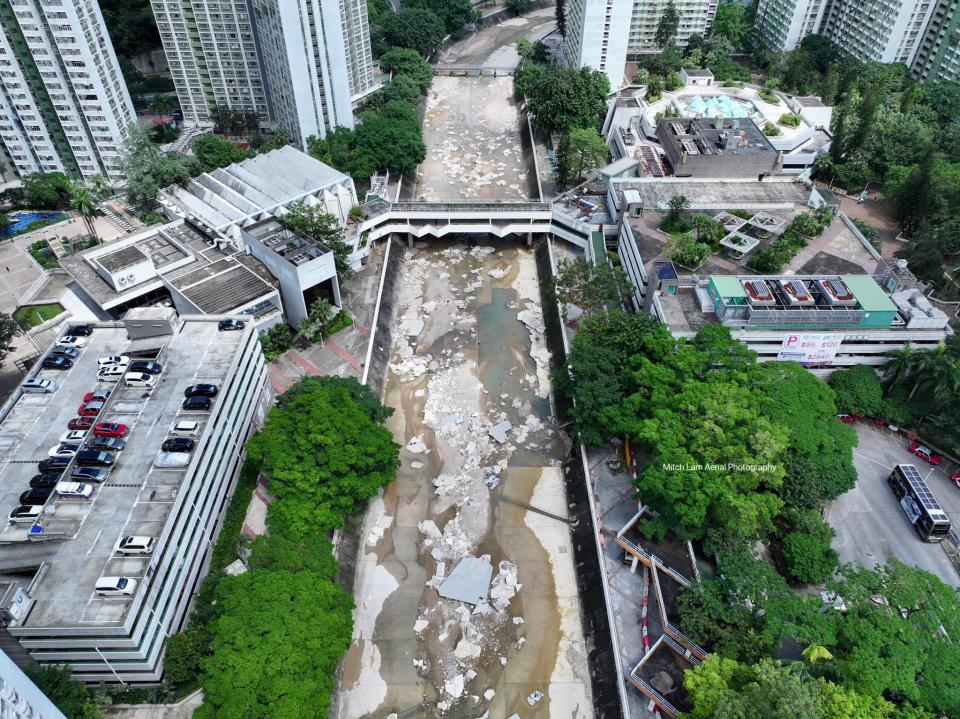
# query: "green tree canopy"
{"type": "Point", "coordinates": [407, 63]}
{"type": "Point", "coordinates": [214, 152]}
{"type": "Point", "coordinates": [858, 391]}
{"type": "Point", "coordinates": [591, 287]}
{"type": "Point", "coordinates": [276, 646]}
{"type": "Point", "coordinates": [667, 25]}
{"type": "Point", "coordinates": [416, 28]}
{"type": "Point", "coordinates": [560, 98]}
{"type": "Point", "coordinates": [324, 457]}
{"type": "Point", "coordinates": [583, 149]}
{"type": "Point", "coordinates": [315, 222]}
{"type": "Point", "coordinates": [731, 23]}
{"type": "Point", "coordinates": [74, 699]}
{"type": "Point", "coordinates": [47, 191]}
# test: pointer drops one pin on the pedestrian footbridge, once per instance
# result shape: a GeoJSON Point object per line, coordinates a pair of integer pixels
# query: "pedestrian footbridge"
{"type": "Point", "coordinates": [502, 219]}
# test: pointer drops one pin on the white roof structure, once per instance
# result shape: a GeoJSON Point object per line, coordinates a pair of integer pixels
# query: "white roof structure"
{"type": "Point", "coordinates": [247, 192]}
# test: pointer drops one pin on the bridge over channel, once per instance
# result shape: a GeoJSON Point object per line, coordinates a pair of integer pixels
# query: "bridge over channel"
{"type": "Point", "coordinates": [502, 219]}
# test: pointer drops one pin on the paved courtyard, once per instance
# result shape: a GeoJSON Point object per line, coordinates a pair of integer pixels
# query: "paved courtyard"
{"type": "Point", "coordinates": [869, 524]}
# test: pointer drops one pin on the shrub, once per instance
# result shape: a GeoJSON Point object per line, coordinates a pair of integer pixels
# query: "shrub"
{"type": "Point", "coordinates": [771, 130]}
{"type": "Point", "coordinates": [685, 250]}
{"type": "Point", "coordinates": [789, 120]}
{"type": "Point", "coordinates": [868, 232]}
{"type": "Point", "coordinates": [809, 557]}
{"type": "Point", "coordinates": [768, 96]}
{"type": "Point", "coordinates": [276, 340]}
{"type": "Point", "coordinates": [642, 77]}
{"type": "Point", "coordinates": [858, 391]}
{"type": "Point", "coordinates": [673, 226]}
{"type": "Point", "coordinates": [673, 82]}
{"type": "Point", "coordinates": [806, 223]}
{"type": "Point", "coordinates": [184, 652]}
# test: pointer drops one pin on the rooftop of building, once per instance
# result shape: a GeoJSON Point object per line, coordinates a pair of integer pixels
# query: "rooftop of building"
{"type": "Point", "coordinates": [717, 195]}
{"type": "Point", "coordinates": [136, 499]}
{"type": "Point", "coordinates": [718, 137]}
{"type": "Point", "coordinates": [696, 72]}
{"type": "Point", "coordinates": [297, 249]}
{"type": "Point", "coordinates": [206, 266]}
{"type": "Point", "coordinates": [248, 191]}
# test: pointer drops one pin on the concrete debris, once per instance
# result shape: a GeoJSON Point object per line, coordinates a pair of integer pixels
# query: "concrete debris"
{"type": "Point", "coordinates": [416, 445]}
{"type": "Point", "coordinates": [411, 328]}
{"type": "Point", "coordinates": [499, 431]}
{"type": "Point", "coordinates": [466, 650]}
{"type": "Point", "coordinates": [470, 580]}
{"type": "Point", "coordinates": [454, 687]}
{"type": "Point", "coordinates": [471, 675]}
{"type": "Point", "coordinates": [498, 273]}
{"type": "Point", "coordinates": [489, 694]}
{"type": "Point", "coordinates": [379, 529]}
{"type": "Point", "coordinates": [416, 465]}
{"type": "Point", "coordinates": [518, 620]}
{"type": "Point", "coordinates": [504, 586]}
{"type": "Point", "coordinates": [235, 568]}
{"type": "Point", "coordinates": [420, 625]}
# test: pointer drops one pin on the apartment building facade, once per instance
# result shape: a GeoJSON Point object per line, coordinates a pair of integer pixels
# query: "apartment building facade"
{"type": "Point", "coordinates": [19, 696]}
{"type": "Point", "coordinates": [869, 30]}
{"type": "Point", "coordinates": [299, 63]}
{"type": "Point", "coordinates": [64, 106]}
{"type": "Point", "coordinates": [938, 57]}
{"type": "Point", "coordinates": [604, 34]}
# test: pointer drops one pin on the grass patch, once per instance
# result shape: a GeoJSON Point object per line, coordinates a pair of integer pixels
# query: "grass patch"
{"type": "Point", "coordinates": [35, 315]}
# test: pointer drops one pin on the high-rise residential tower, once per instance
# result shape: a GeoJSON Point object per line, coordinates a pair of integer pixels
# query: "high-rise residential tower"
{"type": "Point", "coordinates": [870, 30]}
{"type": "Point", "coordinates": [939, 55]}
{"type": "Point", "coordinates": [212, 55]}
{"type": "Point", "coordinates": [604, 34]}
{"type": "Point", "coordinates": [63, 104]}
{"type": "Point", "coordinates": [300, 63]}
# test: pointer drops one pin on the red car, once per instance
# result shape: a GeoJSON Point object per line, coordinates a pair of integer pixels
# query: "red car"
{"type": "Point", "coordinates": [925, 453]}
{"type": "Point", "coordinates": [955, 478]}
{"type": "Point", "coordinates": [847, 418]}
{"type": "Point", "coordinates": [80, 423]}
{"type": "Point", "coordinates": [99, 395]}
{"type": "Point", "coordinates": [89, 409]}
{"type": "Point", "coordinates": [110, 429]}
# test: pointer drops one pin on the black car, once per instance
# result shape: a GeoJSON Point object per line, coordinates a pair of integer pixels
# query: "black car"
{"type": "Point", "coordinates": [41, 481]}
{"type": "Point", "coordinates": [57, 363]}
{"type": "Point", "coordinates": [148, 366]}
{"type": "Point", "coordinates": [95, 458]}
{"type": "Point", "coordinates": [110, 444]}
{"type": "Point", "coordinates": [228, 325]}
{"type": "Point", "coordinates": [201, 403]}
{"type": "Point", "coordinates": [177, 444]}
{"type": "Point", "coordinates": [52, 464]}
{"type": "Point", "coordinates": [89, 474]}
{"type": "Point", "coordinates": [80, 330]}
{"type": "Point", "coordinates": [200, 390]}
{"type": "Point", "coordinates": [68, 352]}
{"type": "Point", "coordinates": [37, 495]}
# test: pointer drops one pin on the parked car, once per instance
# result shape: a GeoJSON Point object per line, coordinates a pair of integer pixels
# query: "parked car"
{"type": "Point", "coordinates": [196, 403]}
{"type": "Point", "coordinates": [80, 423]}
{"type": "Point", "coordinates": [134, 545]}
{"type": "Point", "coordinates": [115, 586]}
{"type": "Point", "coordinates": [925, 453]}
{"type": "Point", "coordinates": [77, 490]}
{"type": "Point", "coordinates": [110, 429]}
{"type": "Point", "coordinates": [37, 495]}
{"type": "Point", "coordinates": [25, 513]}
{"type": "Point", "coordinates": [111, 373]}
{"type": "Point", "coordinates": [230, 325]}
{"type": "Point", "coordinates": [89, 474]}
{"type": "Point", "coordinates": [53, 464]}
{"type": "Point", "coordinates": [71, 341]}
{"type": "Point", "coordinates": [73, 436]}
{"type": "Point", "coordinates": [148, 366]}
{"type": "Point", "coordinates": [177, 444]}
{"type": "Point", "coordinates": [171, 460]}
{"type": "Point", "coordinates": [36, 385]}
{"type": "Point", "coordinates": [68, 352]}
{"type": "Point", "coordinates": [185, 428]}
{"type": "Point", "coordinates": [49, 479]}
{"type": "Point", "coordinates": [140, 379]}
{"type": "Point", "coordinates": [80, 330]}
{"type": "Point", "coordinates": [109, 444]}
{"type": "Point", "coordinates": [200, 390]}
{"type": "Point", "coordinates": [847, 418]}
{"type": "Point", "coordinates": [90, 409]}
{"type": "Point", "coordinates": [95, 458]}
{"type": "Point", "coordinates": [57, 363]}
{"type": "Point", "coordinates": [113, 361]}
{"type": "Point", "coordinates": [97, 395]}
{"type": "Point", "coordinates": [955, 478]}
{"type": "Point", "coordinates": [63, 449]}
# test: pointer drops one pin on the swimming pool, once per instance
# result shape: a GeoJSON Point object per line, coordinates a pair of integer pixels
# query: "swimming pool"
{"type": "Point", "coordinates": [19, 221]}
{"type": "Point", "coordinates": [716, 106]}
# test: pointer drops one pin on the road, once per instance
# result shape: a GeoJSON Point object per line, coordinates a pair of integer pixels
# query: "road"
{"type": "Point", "coordinates": [869, 524]}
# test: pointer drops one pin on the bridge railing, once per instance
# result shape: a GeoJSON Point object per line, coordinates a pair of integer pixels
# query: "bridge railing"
{"type": "Point", "coordinates": [376, 207]}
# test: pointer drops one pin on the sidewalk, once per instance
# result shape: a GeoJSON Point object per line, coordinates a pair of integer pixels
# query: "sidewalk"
{"type": "Point", "coordinates": [342, 354]}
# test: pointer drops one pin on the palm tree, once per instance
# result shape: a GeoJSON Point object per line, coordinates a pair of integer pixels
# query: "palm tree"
{"type": "Point", "coordinates": [900, 368]}
{"type": "Point", "coordinates": [161, 104]}
{"type": "Point", "coordinates": [83, 201]}
{"type": "Point", "coordinates": [98, 185]}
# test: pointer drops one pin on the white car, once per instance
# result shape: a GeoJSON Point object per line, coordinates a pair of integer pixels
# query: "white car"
{"type": "Point", "coordinates": [111, 373]}
{"type": "Point", "coordinates": [115, 586]}
{"type": "Point", "coordinates": [134, 545]}
{"type": "Point", "coordinates": [74, 489]}
{"type": "Point", "coordinates": [25, 513]}
{"type": "Point", "coordinates": [64, 450]}
{"type": "Point", "coordinates": [36, 385]}
{"type": "Point", "coordinates": [113, 361]}
{"type": "Point", "coordinates": [534, 697]}
{"type": "Point", "coordinates": [73, 436]}
{"type": "Point", "coordinates": [171, 460]}
{"type": "Point", "coordinates": [185, 428]}
{"type": "Point", "coordinates": [139, 379]}
{"type": "Point", "coordinates": [71, 341]}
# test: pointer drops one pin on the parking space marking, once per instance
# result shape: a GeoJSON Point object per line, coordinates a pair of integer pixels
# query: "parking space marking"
{"type": "Point", "coordinates": [94, 542]}
{"type": "Point", "coordinates": [870, 459]}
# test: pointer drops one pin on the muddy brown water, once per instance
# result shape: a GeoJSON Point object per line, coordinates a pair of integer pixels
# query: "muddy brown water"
{"type": "Point", "coordinates": [392, 669]}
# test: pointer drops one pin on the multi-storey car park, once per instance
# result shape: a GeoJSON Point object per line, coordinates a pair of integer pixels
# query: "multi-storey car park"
{"type": "Point", "coordinates": [48, 570]}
